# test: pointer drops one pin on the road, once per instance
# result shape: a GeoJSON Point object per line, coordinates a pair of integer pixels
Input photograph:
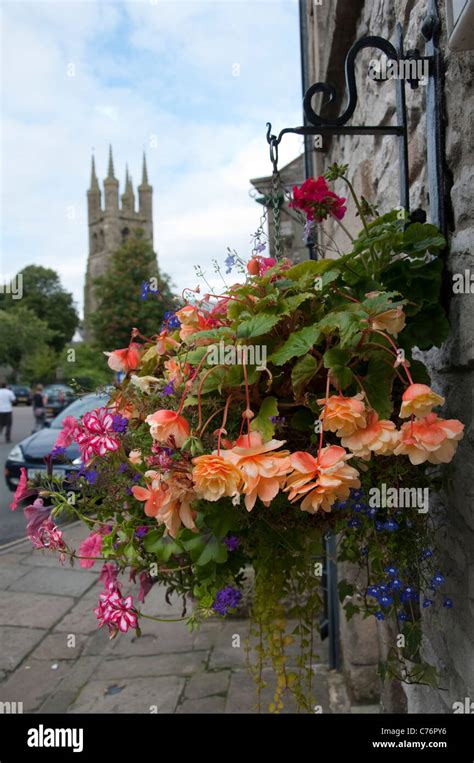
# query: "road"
{"type": "Point", "coordinates": [12, 523]}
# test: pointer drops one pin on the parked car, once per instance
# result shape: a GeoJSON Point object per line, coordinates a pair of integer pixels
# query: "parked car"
{"type": "Point", "coordinates": [31, 451]}
{"type": "Point", "coordinates": [22, 394]}
{"type": "Point", "coordinates": [59, 396]}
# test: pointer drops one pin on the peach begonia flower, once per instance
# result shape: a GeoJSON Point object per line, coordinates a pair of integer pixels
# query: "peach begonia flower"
{"type": "Point", "coordinates": [192, 320]}
{"type": "Point", "coordinates": [419, 399]}
{"type": "Point", "coordinates": [392, 320]}
{"type": "Point", "coordinates": [177, 510]}
{"type": "Point", "coordinates": [215, 478]}
{"type": "Point", "coordinates": [165, 343]}
{"type": "Point", "coordinates": [165, 424]}
{"type": "Point", "coordinates": [263, 470]}
{"type": "Point", "coordinates": [430, 439]}
{"type": "Point", "coordinates": [343, 415]}
{"type": "Point", "coordinates": [135, 456]}
{"type": "Point", "coordinates": [379, 437]}
{"type": "Point", "coordinates": [124, 360]}
{"type": "Point", "coordinates": [169, 502]}
{"type": "Point", "coordinates": [323, 481]}
{"type": "Point", "coordinates": [125, 408]}
{"type": "Point", "coordinates": [176, 372]}
{"type": "Point", "coordinates": [155, 494]}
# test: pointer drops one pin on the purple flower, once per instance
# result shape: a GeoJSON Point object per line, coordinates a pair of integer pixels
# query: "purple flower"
{"type": "Point", "coordinates": [144, 290]}
{"type": "Point", "coordinates": [403, 617]}
{"type": "Point", "coordinates": [229, 262]}
{"type": "Point", "coordinates": [426, 553]}
{"type": "Point", "coordinates": [427, 603]}
{"type": "Point", "coordinates": [392, 571]}
{"type": "Point", "coordinates": [259, 247]}
{"type": "Point", "coordinates": [385, 600]}
{"type": "Point", "coordinates": [232, 542]}
{"type": "Point", "coordinates": [354, 524]}
{"type": "Point", "coordinates": [57, 451]}
{"type": "Point", "coordinates": [171, 320]}
{"type": "Point", "coordinates": [169, 389]}
{"type": "Point", "coordinates": [120, 424]}
{"type": "Point", "coordinates": [122, 468]}
{"type": "Point", "coordinates": [437, 580]}
{"type": "Point", "coordinates": [136, 477]}
{"type": "Point", "coordinates": [226, 599]}
{"type": "Point", "coordinates": [391, 526]}
{"type": "Point", "coordinates": [380, 616]}
{"type": "Point", "coordinates": [91, 476]}
{"type": "Point", "coordinates": [448, 603]}
{"type": "Point", "coordinates": [141, 531]}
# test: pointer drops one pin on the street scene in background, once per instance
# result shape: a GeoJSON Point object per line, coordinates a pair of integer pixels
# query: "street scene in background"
{"type": "Point", "coordinates": [236, 367]}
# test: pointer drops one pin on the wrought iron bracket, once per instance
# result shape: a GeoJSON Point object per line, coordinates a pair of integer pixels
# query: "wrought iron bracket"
{"type": "Point", "coordinates": [319, 125]}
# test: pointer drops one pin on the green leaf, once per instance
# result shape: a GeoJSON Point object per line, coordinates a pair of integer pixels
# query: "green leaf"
{"type": "Point", "coordinates": [223, 332]}
{"type": "Point", "coordinates": [162, 545]}
{"type": "Point", "coordinates": [310, 267]}
{"type": "Point", "coordinates": [348, 323]}
{"type": "Point", "coordinates": [344, 589]}
{"type": "Point", "coordinates": [303, 371]}
{"type": "Point", "coordinates": [336, 357]}
{"type": "Point", "coordinates": [257, 325]}
{"type": "Point", "coordinates": [213, 380]}
{"type": "Point", "coordinates": [342, 376]}
{"type": "Point", "coordinates": [296, 345]}
{"type": "Point", "coordinates": [293, 302]}
{"type": "Point", "coordinates": [262, 422]}
{"type": "Point", "coordinates": [378, 385]}
{"type": "Point", "coordinates": [213, 551]}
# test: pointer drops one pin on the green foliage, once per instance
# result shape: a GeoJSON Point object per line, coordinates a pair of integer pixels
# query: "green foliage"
{"type": "Point", "coordinates": [84, 365]}
{"type": "Point", "coordinates": [44, 296]}
{"type": "Point", "coordinates": [24, 342]}
{"type": "Point", "coordinates": [119, 295]}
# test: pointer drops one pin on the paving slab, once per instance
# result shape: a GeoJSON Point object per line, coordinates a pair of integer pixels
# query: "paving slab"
{"type": "Point", "coordinates": [16, 643]}
{"type": "Point", "coordinates": [62, 582]}
{"type": "Point", "coordinates": [70, 685]}
{"type": "Point", "coordinates": [32, 683]}
{"type": "Point", "coordinates": [32, 609]}
{"type": "Point", "coordinates": [182, 664]}
{"type": "Point", "coordinates": [208, 705]}
{"type": "Point", "coordinates": [137, 695]}
{"type": "Point", "coordinates": [11, 573]}
{"type": "Point", "coordinates": [205, 684]}
{"type": "Point", "coordinates": [60, 646]}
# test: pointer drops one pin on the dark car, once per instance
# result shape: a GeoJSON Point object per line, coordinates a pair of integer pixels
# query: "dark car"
{"type": "Point", "coordinates": [22, 394]}
{"type": "Point", "coordinates": [58, 397]}
{"type": "Point", "coordinates": [31, 451]}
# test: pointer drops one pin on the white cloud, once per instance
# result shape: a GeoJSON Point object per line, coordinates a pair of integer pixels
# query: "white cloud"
{"type": "Point", "coordinates": [141, 72]}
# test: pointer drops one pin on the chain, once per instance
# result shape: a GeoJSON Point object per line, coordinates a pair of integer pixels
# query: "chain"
{"type": "Point", "coordinates": [276, 201]}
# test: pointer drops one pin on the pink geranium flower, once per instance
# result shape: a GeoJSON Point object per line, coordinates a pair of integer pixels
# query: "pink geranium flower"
{"type": "Point", "coordinates": [98, 435]}
{"type": "Point", "coordinates": [117, 613]}
{"type": "Point", "coordinates": [315, 199]}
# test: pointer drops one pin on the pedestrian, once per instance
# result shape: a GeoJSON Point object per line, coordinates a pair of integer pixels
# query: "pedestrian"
{"type": "Point", "coordinates": [39, 408]}
{"type": "Point", "coordinates": [7, 398]}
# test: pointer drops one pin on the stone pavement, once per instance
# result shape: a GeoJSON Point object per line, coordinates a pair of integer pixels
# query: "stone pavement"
{"type": "Point", "coordinates": [54, 659]}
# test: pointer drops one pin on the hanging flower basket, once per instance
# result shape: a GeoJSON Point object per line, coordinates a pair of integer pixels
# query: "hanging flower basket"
{"type": "Point", "coordinates": [260, 419]}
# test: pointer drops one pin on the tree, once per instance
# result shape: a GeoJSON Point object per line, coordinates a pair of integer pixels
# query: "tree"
{"type": "Point", "coordinates": [23, 338]}
{"type": "Point", "coordinates": [85, 365]}
{"type": "Point", "coordinates": [44, 295]}
{"type": "Point", "coordinates": [120, 295]}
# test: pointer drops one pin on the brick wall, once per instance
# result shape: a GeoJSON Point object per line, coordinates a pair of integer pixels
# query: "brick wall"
{"type": "Point", "coordinates": [373, 168]}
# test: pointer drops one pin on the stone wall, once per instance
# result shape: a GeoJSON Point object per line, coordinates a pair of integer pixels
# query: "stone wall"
{"type": "Point", "coordinates": [373, 168]}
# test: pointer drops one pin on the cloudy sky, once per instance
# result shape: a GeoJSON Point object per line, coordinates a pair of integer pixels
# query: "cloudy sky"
{"type": "Point", "coordinates": [191, 82]}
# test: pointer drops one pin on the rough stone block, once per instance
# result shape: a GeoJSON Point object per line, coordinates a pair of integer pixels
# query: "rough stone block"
{"type": "Point", "coordinates": [130, 695]}
{"type": "Point", "coordinates": [16, 643]}
{"type": "Point", "coordinates": [34, 610]}
{"type": "Point", "coordinates": [56, 581]}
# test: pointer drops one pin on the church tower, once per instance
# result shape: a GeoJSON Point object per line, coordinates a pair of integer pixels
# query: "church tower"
{"type": "Point", "coordinates": [110, 226]}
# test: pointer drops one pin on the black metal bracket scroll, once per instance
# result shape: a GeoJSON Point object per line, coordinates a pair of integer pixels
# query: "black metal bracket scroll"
{"type": "Point", "coordinates": [318, 125]}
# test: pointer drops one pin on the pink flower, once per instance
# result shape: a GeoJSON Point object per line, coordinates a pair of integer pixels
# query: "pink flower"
{"type": "Point", "coordinates": [108, 573]}
{"type": "Point", "coordinates": [68, 433]}
{"type": "Point", "coordinates": [315, 199]}
{"type": "Point", "coordinates": [98, 435]}
{"type": "Point", "coordinates": [21, 489]}
{"type": "Point", "coordinates": [418, 400]}
{"type": "Point", "coordinates": [90, 546]}
{"type": "Point", "coordinates": [48, 536]}
{"type": "Point", "coordinates": [126, 359]}
{"type": "Point", "coordinates": [117, 613]}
